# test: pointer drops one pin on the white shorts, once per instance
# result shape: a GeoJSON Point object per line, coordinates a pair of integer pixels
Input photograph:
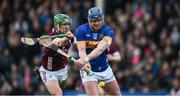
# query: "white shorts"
{"type": "Point", "coordinates": [53, 75]}
{"type": "Point", "coordinates": [106, 76]}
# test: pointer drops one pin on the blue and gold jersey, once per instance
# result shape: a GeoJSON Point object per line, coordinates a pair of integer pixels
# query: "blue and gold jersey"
{"type": "Point", "coordinates": [86, 34]}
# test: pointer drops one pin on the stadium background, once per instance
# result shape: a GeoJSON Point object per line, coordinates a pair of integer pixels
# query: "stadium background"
{"type": "Point", "coordinates": [147, 36]}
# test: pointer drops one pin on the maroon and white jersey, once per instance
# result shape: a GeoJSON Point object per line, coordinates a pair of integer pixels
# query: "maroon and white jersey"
{"type": "Point", "coordinates": [112, 48]}
{"type": "Point", "coordinates": [52, 60]}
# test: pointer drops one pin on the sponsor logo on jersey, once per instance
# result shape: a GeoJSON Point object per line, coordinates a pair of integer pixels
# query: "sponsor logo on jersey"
{"type": "Point", "coordinates": [88, 35]}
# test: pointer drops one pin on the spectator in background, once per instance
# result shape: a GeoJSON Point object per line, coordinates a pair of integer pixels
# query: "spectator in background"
{"type": "Point", "coordinates": [6, 61]}
{"type": "Point", "coordinates": [175, 90]}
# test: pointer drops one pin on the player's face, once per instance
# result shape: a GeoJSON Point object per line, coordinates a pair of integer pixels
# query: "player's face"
{"type": "Point", "coordinates": [63, 28]}
{"type": "Point", "coordinates": [95, 24]}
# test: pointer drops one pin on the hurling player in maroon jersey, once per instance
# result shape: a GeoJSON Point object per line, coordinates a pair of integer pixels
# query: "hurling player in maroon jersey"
{"type": "Point", "coordinates": [53, 70]}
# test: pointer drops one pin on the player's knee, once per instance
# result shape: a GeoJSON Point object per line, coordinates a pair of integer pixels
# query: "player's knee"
{"type": "Point", "coordinates": [57, 94]}
{"type": "Point", "coordinates": [115, 93]}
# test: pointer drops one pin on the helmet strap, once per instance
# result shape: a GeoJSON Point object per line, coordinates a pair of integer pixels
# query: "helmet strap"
{"type": "Point", "coordinates": [56, 28]}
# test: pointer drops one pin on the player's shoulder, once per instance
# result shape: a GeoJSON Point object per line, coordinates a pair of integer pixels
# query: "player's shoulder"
{"type": "Point", "coordinates": [83, 26]}
{"type": "Point", "coordinates": [106, 28]}
{"type": "Point", "coordinates": [52, 32]}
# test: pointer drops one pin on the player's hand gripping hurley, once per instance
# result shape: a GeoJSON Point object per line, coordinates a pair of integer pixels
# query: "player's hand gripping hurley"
{"type": "Point", "coordinates": [46, 41]}
{"type": "Point", "coordinates": [55, 48]}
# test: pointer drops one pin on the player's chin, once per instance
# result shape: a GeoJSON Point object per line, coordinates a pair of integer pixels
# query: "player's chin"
{"type": "Point", "coordinates": [66, 30]}
{"type": "Point", "coordinates": [96, 27]}
{"type": "Point", "coordinates": [63, 31]}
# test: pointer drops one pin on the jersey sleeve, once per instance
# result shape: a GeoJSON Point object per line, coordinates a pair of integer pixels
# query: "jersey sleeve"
{"type": "Point", "coordinates": [51, 32]}
{"type": "Point", "coordinates": [109, 34]}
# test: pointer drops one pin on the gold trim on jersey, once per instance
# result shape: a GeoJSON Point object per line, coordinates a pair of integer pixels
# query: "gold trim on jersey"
{"type": "Point", "coordinates": [106, 38]}
{"type": "Point", "coordinates": [89, 44]}
{"type": "Point", "coordinates": [93, 44]}
{"type": "Point", "coordinates": [80, 42]}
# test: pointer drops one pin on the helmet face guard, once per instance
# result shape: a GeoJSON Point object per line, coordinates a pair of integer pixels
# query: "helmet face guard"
{"type": "Point", "coordinates": [96, 17]}
{"type": "Point", "coordinates": [95, 14]}
{"type": "Point", "coordinates": [61, 19]}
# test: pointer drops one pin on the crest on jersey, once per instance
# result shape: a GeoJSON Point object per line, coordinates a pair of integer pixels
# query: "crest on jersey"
{"type": "Point", "coordinates": [95, 35]}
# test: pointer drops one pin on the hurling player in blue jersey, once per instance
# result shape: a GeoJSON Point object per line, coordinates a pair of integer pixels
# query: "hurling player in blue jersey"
{"type": "Point", "coordinates": [93, 40]}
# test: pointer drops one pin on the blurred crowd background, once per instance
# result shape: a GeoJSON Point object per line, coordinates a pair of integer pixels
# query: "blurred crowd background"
{"type": "Point", "coordinates": [147, 38]}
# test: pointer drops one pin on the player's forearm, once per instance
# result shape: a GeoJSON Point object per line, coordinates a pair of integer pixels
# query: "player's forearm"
{"type": "Point", "coordinates": [82, 50]}
{"type": "Point", "coordinates": [69, 36]}
{"type": "Point", "coordinates": [82, 54]}
{"type": "Point", "coordinates": [65, 39]}
{"type": "Point", "coordinates": [116, 58]}
{"type": "Point", "coordinates": [59, 41]}
{"type": "Point", "coordinates": [102, 46]}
